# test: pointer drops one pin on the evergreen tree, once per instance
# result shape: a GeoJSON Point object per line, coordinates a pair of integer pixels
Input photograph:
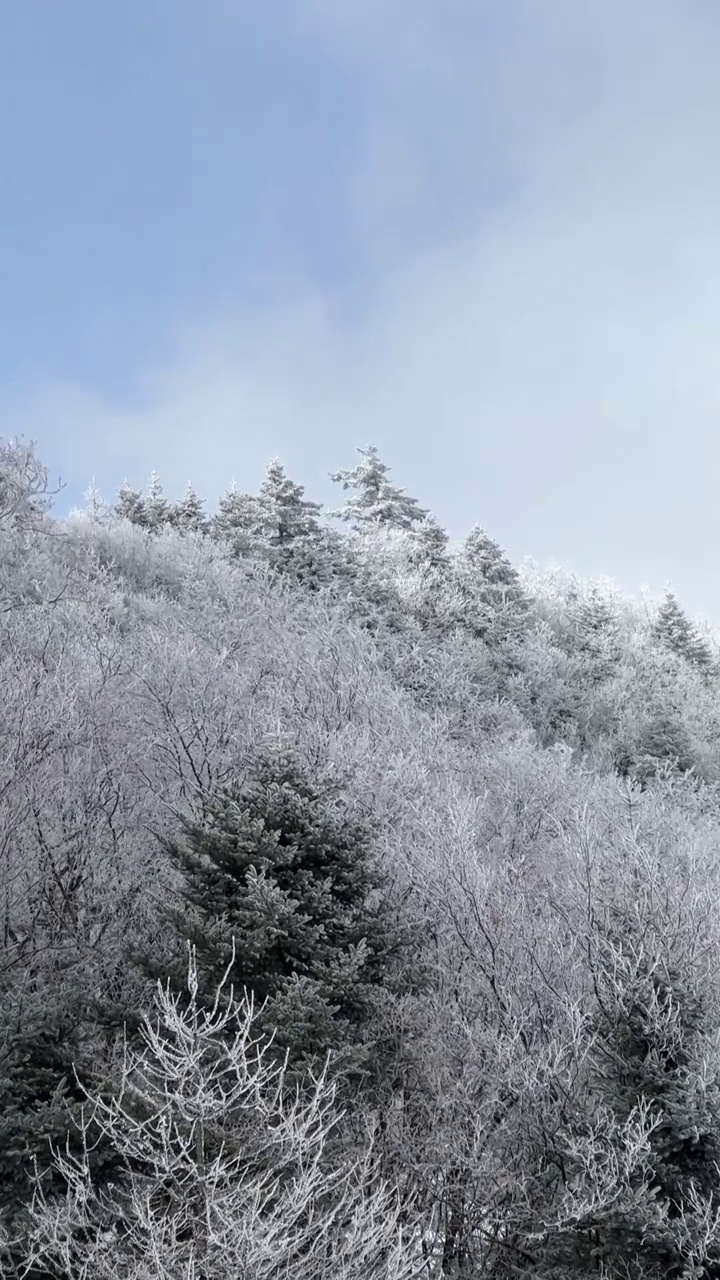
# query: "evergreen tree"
{"type": "Point", "coordinates": [597, 626]}
{"type": "Point", "coordinates": [428, 545]}
{"type": "Point", "coordinates": [651, 1056]}
{"type": "Point", "coordinates": [675, 631]}
{"type": "Point", "coordinates": [663, 747]}
{"type": "Point", "coordinates": [283, 513]}
{"type": "Point", "coordinates": [431, 569]}
{"type": "Point", "coordinates": [237, 521]}
{"type": "Point", "coordinates": [155, 508]}
{"type": "Point", "coordinates": [95, 509]}
{"type": "Point", "coordinates": [595, 637]}
{"type": "Point", "coordinates": [47, 1054]}
{"type": "Point", "coordinates": [187, 514]}
{"type": "Point", "coordinates": [276, 866]}
{"type": "Point", "coordinates": [289, 534]}
{"type": "Point", "coordinates": [226, 1173]}
{"type": "Point", "coordinates": [375, 501]}
{"type": "Point", "coordinates": [129, 504]}
{"type": "Point", "coordinates": [495, 605]}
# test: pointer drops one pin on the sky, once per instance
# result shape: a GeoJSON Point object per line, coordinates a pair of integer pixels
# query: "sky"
{"type": "Point", "coordinates": [483, 235]}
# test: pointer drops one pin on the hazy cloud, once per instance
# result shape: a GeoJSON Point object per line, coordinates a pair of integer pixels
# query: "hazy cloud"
{"type": "Point", "coordinates": [531, 331]}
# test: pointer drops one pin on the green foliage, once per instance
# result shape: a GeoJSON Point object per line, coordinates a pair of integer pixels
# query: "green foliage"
{"type": "Point", "coordinates": [654, 1050]}
{"type": "Point", "coordinates": [276, 868]}
{"type": "Point", "coordinates": [47, 1051]}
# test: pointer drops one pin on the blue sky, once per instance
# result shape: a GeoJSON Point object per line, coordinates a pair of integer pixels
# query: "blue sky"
{"type": "Point", "coordinates": [481, 234]}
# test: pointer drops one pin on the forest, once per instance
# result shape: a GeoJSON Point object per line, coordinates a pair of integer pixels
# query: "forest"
{"type": "Point", "coordinates": [359, 896]}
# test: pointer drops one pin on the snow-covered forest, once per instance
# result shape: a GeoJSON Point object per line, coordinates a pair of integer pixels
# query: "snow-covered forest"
{"type": "Point", "coordinates": [359, 892]}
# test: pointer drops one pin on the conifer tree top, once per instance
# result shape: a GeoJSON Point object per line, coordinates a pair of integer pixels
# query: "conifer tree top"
{"type": "Point", "coordinates": [375, 500]}
{"type": "Point", "coordinates": [675, 630]}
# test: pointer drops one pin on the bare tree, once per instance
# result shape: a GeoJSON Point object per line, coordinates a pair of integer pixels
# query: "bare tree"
{"type": "Point", "coordinates": [227, 1170]}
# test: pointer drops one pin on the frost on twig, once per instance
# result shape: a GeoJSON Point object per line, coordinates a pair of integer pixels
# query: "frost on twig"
{"type": "Point", "coordinates": [226, 1168]}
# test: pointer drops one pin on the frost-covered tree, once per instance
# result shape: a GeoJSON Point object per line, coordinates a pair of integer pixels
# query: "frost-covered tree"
{"type": "Point", "coordinates": [237, 521]}
{"type": "Point", "coordinates": [150, 509]}
{"type": "Point", "coordinates": [227, 1171]}
{"type": "Point", "coordinates": [653, 1063]}
{"type": "Point", "coordinates": [674, 630]}
{"type": "Point", "coordinates": [597, 625]}
{"type": "Point", "coordinates": [276, 870]}
{"type": "Point", "coordinates": [187, 514]}
{"type": "Point", "coordinates": [24, 494]}
{"type": "Point", "coordinates": [129, 504]}
{"type": "Point", "coordinates": [428, 545]}
{"type": "Point", "coordinates": [283, 513]}
{"type": "Point", "coordinates": [155, 508]}
{"type": "Point", "coordinates": [494, 603]}
{"type": "Point", "coordinates": [96, 510]}
{"type": "Point", "coordinates": [46, 1042]}
{"type": "Point", "coordinates": [375, 500]}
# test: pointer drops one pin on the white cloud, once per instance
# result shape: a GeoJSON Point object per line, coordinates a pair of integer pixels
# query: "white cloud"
{"type": "Point", "coordinates": [545, 358]}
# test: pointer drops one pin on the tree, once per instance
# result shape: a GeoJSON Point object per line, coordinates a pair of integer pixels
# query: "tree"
{"type": "Point", "coordinates": [654, 1070]}
{"type": "Point", "coordinates": [44, 1029]}
{"type": "Point", "coordinates": [96, 509]}
{"type": "Point", "coordinates": [663, 745]}
{"type": "Point", "coordinates": [375, 500]}
{"type": "Point", "coordinates": [276, 871]}
{"type": "Point", "coordinates": [236, 521]}
{"type": "Point", "coordinates": [187, 514]}
{"type": "Point", "coordinates": [495, 605]}
{"type": "Point", "coordinates": [428, 546]}
{"type": "Point", "coordinates": [596, 624]}
{"type": "Point", "coordinates": [283, 513]}
{"type": "Point", "coordinates": [674, 630]}
{"type": "Point", "coordinates": [288, 533]}
{"type": "Point", "coordinates": [155, 507]}
{"type": "Point", "coordinates": [129, 504]}
{"type": "Point", "coordinates": [24, 494]}
{"type": "Point", "coordinates": [228, 1172]}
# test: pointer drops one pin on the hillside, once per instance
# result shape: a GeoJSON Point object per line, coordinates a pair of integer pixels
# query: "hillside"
{"type": "Point", "coordinates": [453, 824]}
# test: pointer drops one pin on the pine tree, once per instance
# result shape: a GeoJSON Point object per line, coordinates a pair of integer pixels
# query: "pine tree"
{"type": "Point", "coordinates": [375, 501]}
{"type": "Point", "coordinates": [276, 869]}
{"type": "Point", "coordinates": [46, 1058]}
{"type": "Point", "coordinates": [675, 631]}
{"type": "Point", "coordinates": [495, 604]}
{"type": "Point", "coordinates": [284, 514]}
{"type": "Point", "coordinates": [96, 509]}
{"type": "Point", "coordinates": [129, 504]}
{"type": "Point", "coordinates": [225, 1171]}
{"type": "Point", "coordinates": [289, 534]}
{"type": "Point", "coordinates": [237, 521]}
{"type": "Point", "coordinates": [155, 508]}
{"type": "Point", "coordinates": [595, 638]}
{"type": "Point", "coordinates": [663, 748]}
{"type": "Point", "coordinates": [651, 1056]}
{"type": "Point", "coordinates": [187, 514]}
{"type": "Point", "coordinates": [596, 623]}
{"type": "Point", "coordinates": [428, 545]}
